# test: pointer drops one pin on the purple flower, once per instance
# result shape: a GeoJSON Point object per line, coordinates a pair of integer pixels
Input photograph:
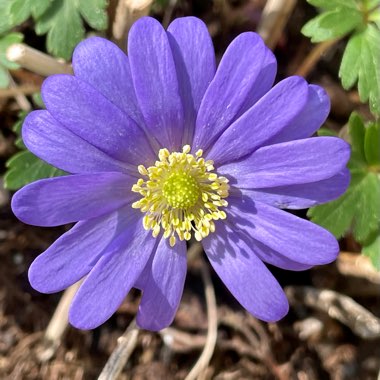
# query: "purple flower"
{"type": "Point", "coordinates": [162, 147]}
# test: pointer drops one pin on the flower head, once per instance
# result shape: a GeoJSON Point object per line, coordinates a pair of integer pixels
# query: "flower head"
{"type": "Point", "coordinates": [161, 147]}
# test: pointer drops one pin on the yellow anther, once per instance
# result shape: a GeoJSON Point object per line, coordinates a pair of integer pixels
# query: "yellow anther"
{"type": "Point", "coordinates": [181, 196]}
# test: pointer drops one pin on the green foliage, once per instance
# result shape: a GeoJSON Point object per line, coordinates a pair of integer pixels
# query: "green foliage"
{"type": "Point", "coordinates": [5, 65]}
{"type": "Point", "coordinates": [61, 20]}
{"type": "Point", "coordinates": [359, 208]}
{"type": "Point", "coordinates": [361, 58]}
{"type": "Point", "coordinates": [24, 167]}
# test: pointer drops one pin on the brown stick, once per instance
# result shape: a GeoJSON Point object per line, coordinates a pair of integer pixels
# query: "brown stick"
{"type": "Point", "coordinates": [119, 357]}
{"type": "Point", "coordinates": [36, 61]}
{"type": "Point", "coordinates": [273, 20]}
{"type": "Point", "coordinates": [19, 90]}
{"type": "Point", "coordinates": [313, 57]}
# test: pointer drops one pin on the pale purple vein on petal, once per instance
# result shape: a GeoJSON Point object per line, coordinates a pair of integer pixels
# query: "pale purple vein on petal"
{"type": "Point", "coordinates": [245, 275]}
{"type": "Point", "coordinates": [296, 239]}
{"type": "Point", "coordinates": [74, 254]}
{"type": "Point", "coordinates": [290, 163]}
{"type": "Point", "coordinates": [163, 287]}
{"type": "Point", "coordinates": [90, 115]}
{"type": "Point", "coordinates": [155, 81]}
{"type": "Point", "coordinates": [303, 195]}
{"type": "Point", "coordinates": [234, 81]}
{"type": "Point", "coordinates": [62, 200]}
{"type": "Point", "coordinates": [52, 142]}
{"type": "Point", "coordinates": [113, 276]}
{"type": "Point", "coordinates": [102, 64]}
{"type": "Point", "coordinates": [194, 59]}
{"type": "Point", "coordinates": [272, 113]}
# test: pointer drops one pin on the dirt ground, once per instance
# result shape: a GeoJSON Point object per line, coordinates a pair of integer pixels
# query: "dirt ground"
{"type": "Point", "coordinates": [321, 338]}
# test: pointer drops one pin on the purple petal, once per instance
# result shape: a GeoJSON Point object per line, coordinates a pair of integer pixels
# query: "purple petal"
{"type": "Point", "coordinates": [303, 195]}
{"type": "Point", "coordinates": [289, 163]}
{"type": "Point", "coordinates": [52, 142]}
{"type": "Point", "coordinates": [236, 78]}
{"type": "Point", "coordinates": [294, 238]}
{"type": "Point", "coordinates": [155, 80]}
{"type": "Point", "coordinates": [309, 120]}
{"type": "Point", "coordinates": [88, 114]}
{"type": "Point", "coordinates": [272, 113]}
{"type": "Point", "coordinates": [75, 253]}
{"type": "Point", "coordinates": [113, 276]}
{"type": "Point", "coordinates": [103, 65]}
{"type": "Point", "coordinates": [264, 84]}
{"type": "Point", "coordinates": [163, 287]}
{"type": "Point", "coordinates": [194, 58]}
{"type": "Point", "coordinates": [56, 201]}
{"type": "Point", "coordinates": [245, 275]}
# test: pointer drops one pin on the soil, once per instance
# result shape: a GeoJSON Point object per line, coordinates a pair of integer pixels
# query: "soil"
{"type": "Point", "coordinates": [309, 343]}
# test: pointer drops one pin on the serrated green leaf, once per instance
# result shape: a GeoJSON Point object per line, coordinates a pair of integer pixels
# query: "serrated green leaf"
{"type": "Point", "coordinates": [333, 4]}
{"type": "Point", "coordinates": [24, 168]}
{"type": "Point", "coordinates": [372, 250]}
{"type": "Point", "coordinates": [372, 144]}
{"type": "Point", "coordinates": [17, 129]}
{"type": "Point", "coordinates": [39, 7]}
{"type": "Point", "coordinates": [94, 12]}
{"type": "Point", "coordinates": [5, 19]}
{"type": "Point", "coordinates": [326, 132]}
{"type": "Point", "coordinates": [356, 129]}
{"type": "Point", "coordinates": [351, 60]}
{"type": "Point", "coordinates": [358, 208]}
{"type": "Point", "coordinates": [5, 42]}
{"type": "Point", "coordinates": [332, 24]}
{"type": "Point", "coordinates": [20, 10]}
{"type": "Point", "coordinates": [4, 77]}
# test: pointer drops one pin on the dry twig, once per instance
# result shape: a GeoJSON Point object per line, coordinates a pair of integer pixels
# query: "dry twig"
{"type": "Point", "coordinates": [58, 323]}
{"type": "Point", "coordinates": [119, 357]}
{"type": "Point", "coordinates": [127, 12]}
{"type": "Point", "coordinates": [361, 321]}
{"type": "Point", "coordinates": [212, 317]}
{"type": "Point", "coordinates": [273, 20]}
{"type": "Point", "coordinates": [36, 61]}
{"type": "Point", "coordinates": [19, 90]}
{"type": "Point", "coordinates": [313, 57]}
{"type": "Point", "coordinates": [20, 98]}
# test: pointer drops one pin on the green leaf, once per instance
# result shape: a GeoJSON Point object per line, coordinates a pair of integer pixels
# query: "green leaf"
{"type": "Point", "coordinates": [361, 63]}
{"type": "Point", "coordinates": [5, 19]}
{"type": "Point", "coordinates": [20, 10]}
{"type": "Point", "coordinates": [94, 12]}
{"type": "Point", "coordinates": [4, 77]}
{"type": "Point", "coordinates": [5, 42]}
{"type": "Point", "coordinates": [24, 168]}
{"type": "Point", "coordinates": [17, 129]}
{"type": "Point", "coordinates": [333, 4]}
{"type": "Point", "coordinates": [39, 7]}
{"type": "Point", "coordinates": [64, 26]}
{"type": "Point", "coordinates": [327, 132]}
{"type": "Point", "coordinates": [358, 208]}
{"type": "Point", "coordinates": [332, 24]}
{"type": "Point", "coordinates": [372, 144]}
{"type": "Point", "coordinates": [351, 60]}
{"type": "Point", "coordinates": [372, 250]}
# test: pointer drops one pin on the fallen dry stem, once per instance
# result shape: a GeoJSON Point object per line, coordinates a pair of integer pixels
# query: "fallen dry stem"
{"type": "Point", "coordinates": [212, 319]}
{"type": "Point", "coordinates": [313, 57]}
{"type": "Point", "coordinates": [36, 61]}
{"type": "Point", "coordinates": [275, 16]}
{"type": "Point", "coordinates": [338, 306]}
{"type": "Point", "coordinates": [19, 90]}
{"type": "Point", "coordinates": [119, 357]}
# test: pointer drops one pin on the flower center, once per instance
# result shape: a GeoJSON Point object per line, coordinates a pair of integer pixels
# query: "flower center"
{"type": "Point", "coordinates": [181, 190]}
{"type": "Point", "coordinates": [181, 195]}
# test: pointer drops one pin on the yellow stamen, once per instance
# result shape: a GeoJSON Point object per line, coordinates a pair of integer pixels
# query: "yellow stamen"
{"type": "Point", "coordinates": [181, 196]}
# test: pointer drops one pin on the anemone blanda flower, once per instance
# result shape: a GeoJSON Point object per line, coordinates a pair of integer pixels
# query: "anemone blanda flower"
{"type": "Point", "coordinates": [161, 146]}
